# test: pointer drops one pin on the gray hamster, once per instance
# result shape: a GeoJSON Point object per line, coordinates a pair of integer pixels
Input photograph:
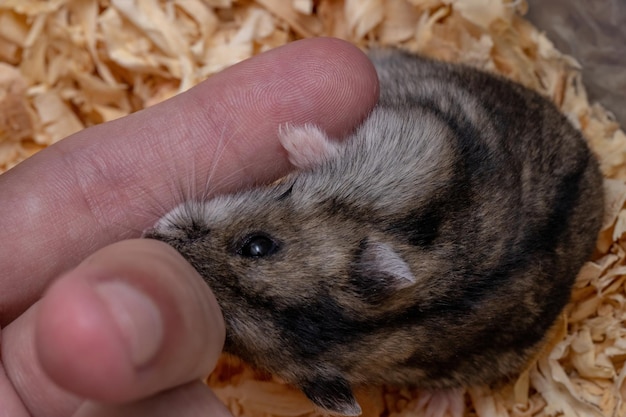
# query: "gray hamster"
{"type": "Point", "coordinates": [433, 248]}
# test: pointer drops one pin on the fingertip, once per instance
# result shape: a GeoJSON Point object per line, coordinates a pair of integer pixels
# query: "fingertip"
{"type": "Point", "coordinates": [132, 320]}
{"type": "Point", "coordinates": [327, 82]}
{"type": "Point", "coordinates": [352, 87]}
{"type": "Point", "coordinates": [76, 342]}
{"type": "Point", "coordinates": [324, 82]}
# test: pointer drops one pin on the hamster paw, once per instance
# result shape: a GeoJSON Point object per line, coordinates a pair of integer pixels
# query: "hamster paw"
{"type": "Point", "coordinates": [332, 394]}
{"type": "Point", "coordinates": [307, 146]}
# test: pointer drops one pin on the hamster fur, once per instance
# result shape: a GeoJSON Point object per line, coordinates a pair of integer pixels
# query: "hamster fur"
{"type": "Point", "coordinates": [434, 248]}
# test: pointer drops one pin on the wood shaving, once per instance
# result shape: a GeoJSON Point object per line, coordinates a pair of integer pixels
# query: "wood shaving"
{"type": "Point", "coordinates": [66, 65]}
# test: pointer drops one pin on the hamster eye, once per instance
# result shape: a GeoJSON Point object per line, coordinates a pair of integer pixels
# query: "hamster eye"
{"type": "Point", "coordinates": [257, 245]}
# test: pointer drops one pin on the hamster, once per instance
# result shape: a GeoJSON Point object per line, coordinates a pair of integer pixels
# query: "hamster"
{"type": "Point", "coordinates": [433, 248]}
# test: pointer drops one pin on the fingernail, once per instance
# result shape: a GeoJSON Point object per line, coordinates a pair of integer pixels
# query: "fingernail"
{"type": "Point", "coordinates": [137, 317]}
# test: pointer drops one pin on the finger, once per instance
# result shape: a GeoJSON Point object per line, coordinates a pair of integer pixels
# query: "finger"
{"type": "Point", "coordinates": [192, 400]}
{"type": "Point", "coordinates": [132, 320]}
{"type": "Point", "coordinates": [113, 180]}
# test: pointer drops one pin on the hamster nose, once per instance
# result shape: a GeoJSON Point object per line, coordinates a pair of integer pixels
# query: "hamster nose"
{"type": "Point", "coordinates": [150, 233]}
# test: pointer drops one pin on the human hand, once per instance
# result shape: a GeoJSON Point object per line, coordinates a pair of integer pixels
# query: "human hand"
{"type": "Point", "coordinates": [132, 328]}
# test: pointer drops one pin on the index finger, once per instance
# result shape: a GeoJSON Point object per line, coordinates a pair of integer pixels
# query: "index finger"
{"type": "Point", "coordinates": [102, 184]}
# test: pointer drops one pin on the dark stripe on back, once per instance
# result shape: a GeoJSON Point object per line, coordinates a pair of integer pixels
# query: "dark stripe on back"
{"type": "Point", "coordinates": [421, 227]}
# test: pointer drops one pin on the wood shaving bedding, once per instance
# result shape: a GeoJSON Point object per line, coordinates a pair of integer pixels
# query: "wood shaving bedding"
{"type": "Point", "coordinates": [66, 65]}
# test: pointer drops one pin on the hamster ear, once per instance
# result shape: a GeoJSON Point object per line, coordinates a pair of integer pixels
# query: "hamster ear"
{"type": "Point", "coordinates": [333, 395]}
{"type": "Point", "coordinates": [380, 259]}
{"type": "Point", "coordinates": [307, 146]}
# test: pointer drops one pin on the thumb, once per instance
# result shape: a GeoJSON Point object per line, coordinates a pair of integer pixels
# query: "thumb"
{"type": "Point", "coordinates": [132, 320]}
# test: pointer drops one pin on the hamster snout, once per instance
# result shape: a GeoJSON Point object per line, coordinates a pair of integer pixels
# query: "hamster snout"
{"type": "Point", "coordinates": [435, 247]}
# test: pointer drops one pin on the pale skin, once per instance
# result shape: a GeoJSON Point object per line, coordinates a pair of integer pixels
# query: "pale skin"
{"type": "Point", "coordinates": [94, 325]}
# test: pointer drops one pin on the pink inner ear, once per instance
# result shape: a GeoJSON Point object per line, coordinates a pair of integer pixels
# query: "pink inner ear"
{"type": "Point", "coordinates": [307, 146]}
{"type": "Point", "coordinates": [381, 257]}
